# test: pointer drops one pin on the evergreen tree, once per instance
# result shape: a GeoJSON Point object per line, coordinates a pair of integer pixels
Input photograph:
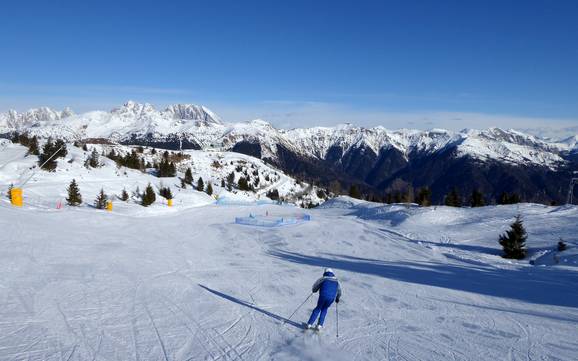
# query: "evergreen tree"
{"type": "Point", "coordinates": [231, 179]}
{"type": "Point", "coordinates": [354, 192]}
{"type": "Point", "coordinates": [60, 149]}
{"type": "Point", "coordinates": [23, 139]}
{"type": "Point", "coordinates": [424, 197]}
{"type": "Point", "coordinates": [189, 176]}
{"type": "Point", "coordinates": [513, 241]}
{"type": "Point", "coordinates": [85, 148]}
{"type": "Point", "coordinates": [506, 198]}
{"type": "Point", "coordinates": [209, 189]}
{"type": "Point", "coordinates": [514, 198]}
{"type": "Point", "coordinates": [408, 196]}
{"type": "Point", "coordinates": [130, 160]}
{"type": "Point", "coordinates": [562, 245]}
{"type": "Point", "coordinates": [47, 159]}
{"type": "Point", "coordinates": [222, 183]}
{"type": "Point", "coordinates": [33, 147]}
{"type": "Point", "coordinates": [166, 192]}
{"type": "Point", "coordinates": [93, 159]}
{"type": "Point", "coordinates": [243, 184]}
{"type": "Point", "coordinates": [124, 195]}
{"type": "Point", "coordinates": [112, 155]}
{"type": "Point", "coordinates": [149, 196]}
{"type": "Point", "coordinates": [477, 199]}
{"type": "Point", "coordinates": [101, 200]}
{"type": "Point", "coordinates": [453, 199]}
{"type": "Point", "coordinates": [166, 168]}
{"type": "Point", "coordinates": [200, 185]}
{"type": "Point", "coordinates": [273, 194]}
{"type": "Point", "coordinates": [74, 197]}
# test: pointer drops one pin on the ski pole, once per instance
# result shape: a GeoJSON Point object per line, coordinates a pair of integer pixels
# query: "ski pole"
{"type": "Point", "coordinates": [337, 314]}
{"type": "Point", "coordinates": [307, 299]}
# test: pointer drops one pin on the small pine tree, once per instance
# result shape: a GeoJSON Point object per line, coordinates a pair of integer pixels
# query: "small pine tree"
{"type": "Point", "coordinates": [166, 192]}
{"type": "Point", "coordinates": [33, 147]}
{"type": "Point", "coordinates": [273, 194]}
{"type": "Point", "coordinates": [60, 148]}
{"type": "Point", "coordinates": [243, 184]}
{"type": "Point", "coordinates": [46, 159]}
{"type": "Point", "coordinates": [189, 176]}
{"type": "Point", "coordinates": [101, 200]}
{"type": "Point", "coordinates": [124, 195]}
{"type": "Point", "coordinates": [423, 197]}
{"type": "Point", "coordinates": [354, 192]}
{"type": "Point", "coordinates": [231, 179]}
{"type": "Point", "coordinates": [562, 245]}
{"type": "Point", "coordinates": [209, 189]}
{"type": "Point", "coordinates": [453, 199]}
{"type": "Point", "coordinates": [514, 198]}
{"type": "Point", "coordinates": [93, 160]}
{"type": "Point", "coordinates": [85, 148]}
{"type": "Point", "coordinates": [200, 185]}
{"type": "Point", "coordinates": [513, 242]}
{"type": "Point", "coordinates": [223, 183]}
{"type": "Point", "coordinates": [477, 199]}
{"type": "Point", "coordinates": [74, 197]}
{"type": "Point", "coordinates": [149, 196]}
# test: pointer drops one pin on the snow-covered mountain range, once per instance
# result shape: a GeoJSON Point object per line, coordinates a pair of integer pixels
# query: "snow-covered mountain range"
{"type": "Point", "coordinates": [354, 154]}
{"type": "Point", "coordinates": [200, 126]}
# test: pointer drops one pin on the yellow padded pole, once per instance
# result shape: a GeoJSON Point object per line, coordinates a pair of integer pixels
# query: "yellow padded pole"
{"type": "Point", "coordinates": [16, 197]}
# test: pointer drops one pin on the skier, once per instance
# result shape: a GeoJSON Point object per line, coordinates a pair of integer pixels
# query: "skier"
{"type": "Point", "coordinates": [329, 291]}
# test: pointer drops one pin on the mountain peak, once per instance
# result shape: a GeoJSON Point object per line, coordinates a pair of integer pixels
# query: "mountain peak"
{"type": "Point", "coordinates": [192, 112]}
{"type": "Point", "coordinates": [131, 108]}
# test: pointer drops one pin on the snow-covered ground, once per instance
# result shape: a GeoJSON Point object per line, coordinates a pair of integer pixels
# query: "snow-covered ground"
{"type": "Point", "coordinates": [189, 284]}
{"type": "Point", "coordinates": [48, 189]}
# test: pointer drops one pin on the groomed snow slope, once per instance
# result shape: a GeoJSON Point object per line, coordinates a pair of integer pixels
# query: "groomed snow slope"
{"type": "Point", "coordinates": [419, 284]}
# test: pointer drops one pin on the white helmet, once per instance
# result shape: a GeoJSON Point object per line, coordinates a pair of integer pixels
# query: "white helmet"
{"type": "Point", "coordinates": [328, 270]}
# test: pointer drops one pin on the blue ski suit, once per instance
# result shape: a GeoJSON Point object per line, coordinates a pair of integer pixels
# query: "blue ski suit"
{"type": "Point", "coordinates": [329, 291]}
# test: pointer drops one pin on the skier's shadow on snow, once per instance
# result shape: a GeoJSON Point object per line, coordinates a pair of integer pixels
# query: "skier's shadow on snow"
{"type": "Point", "coordinates": [251, 306]}
{"type": "Point", "coordinates": [539, 286]}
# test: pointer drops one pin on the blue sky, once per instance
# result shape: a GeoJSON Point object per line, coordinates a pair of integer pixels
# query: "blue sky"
{"type": "Point", "coordinates": [399, 63]}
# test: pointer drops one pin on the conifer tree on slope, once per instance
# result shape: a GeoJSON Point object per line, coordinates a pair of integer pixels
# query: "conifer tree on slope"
{"type": "Point", "coordinates": [477, 199]}
{"type": "Point", "coordinates": [209, 189]}
{"type": "Point", "coordinates": [93, 160]}
{"type": "Point", "coordinates": [149, 196]}
{"type": "Point", "coordinates": [189, 176]}
{"type": "Point", "coordinates": [453, 199]}
{"type": "Point", "coordinates": [74, 197]}
{"type": "Point", "coordinates": [124, 195]}
{"type": "Point", "coordinates": [513, 241]}
{"type": "Point", "coordinates": [166, 192]}
{"type": "Point", "coordinates": [33, 147]}
{"type": "Point", "coordinates": [354, 192]}
{"type": "Point", "coordinates": [200, 185]}
{"type": "Point", "coordinates": [101, 200]}
{"type": "Point", "coordinates": [423, 197]}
